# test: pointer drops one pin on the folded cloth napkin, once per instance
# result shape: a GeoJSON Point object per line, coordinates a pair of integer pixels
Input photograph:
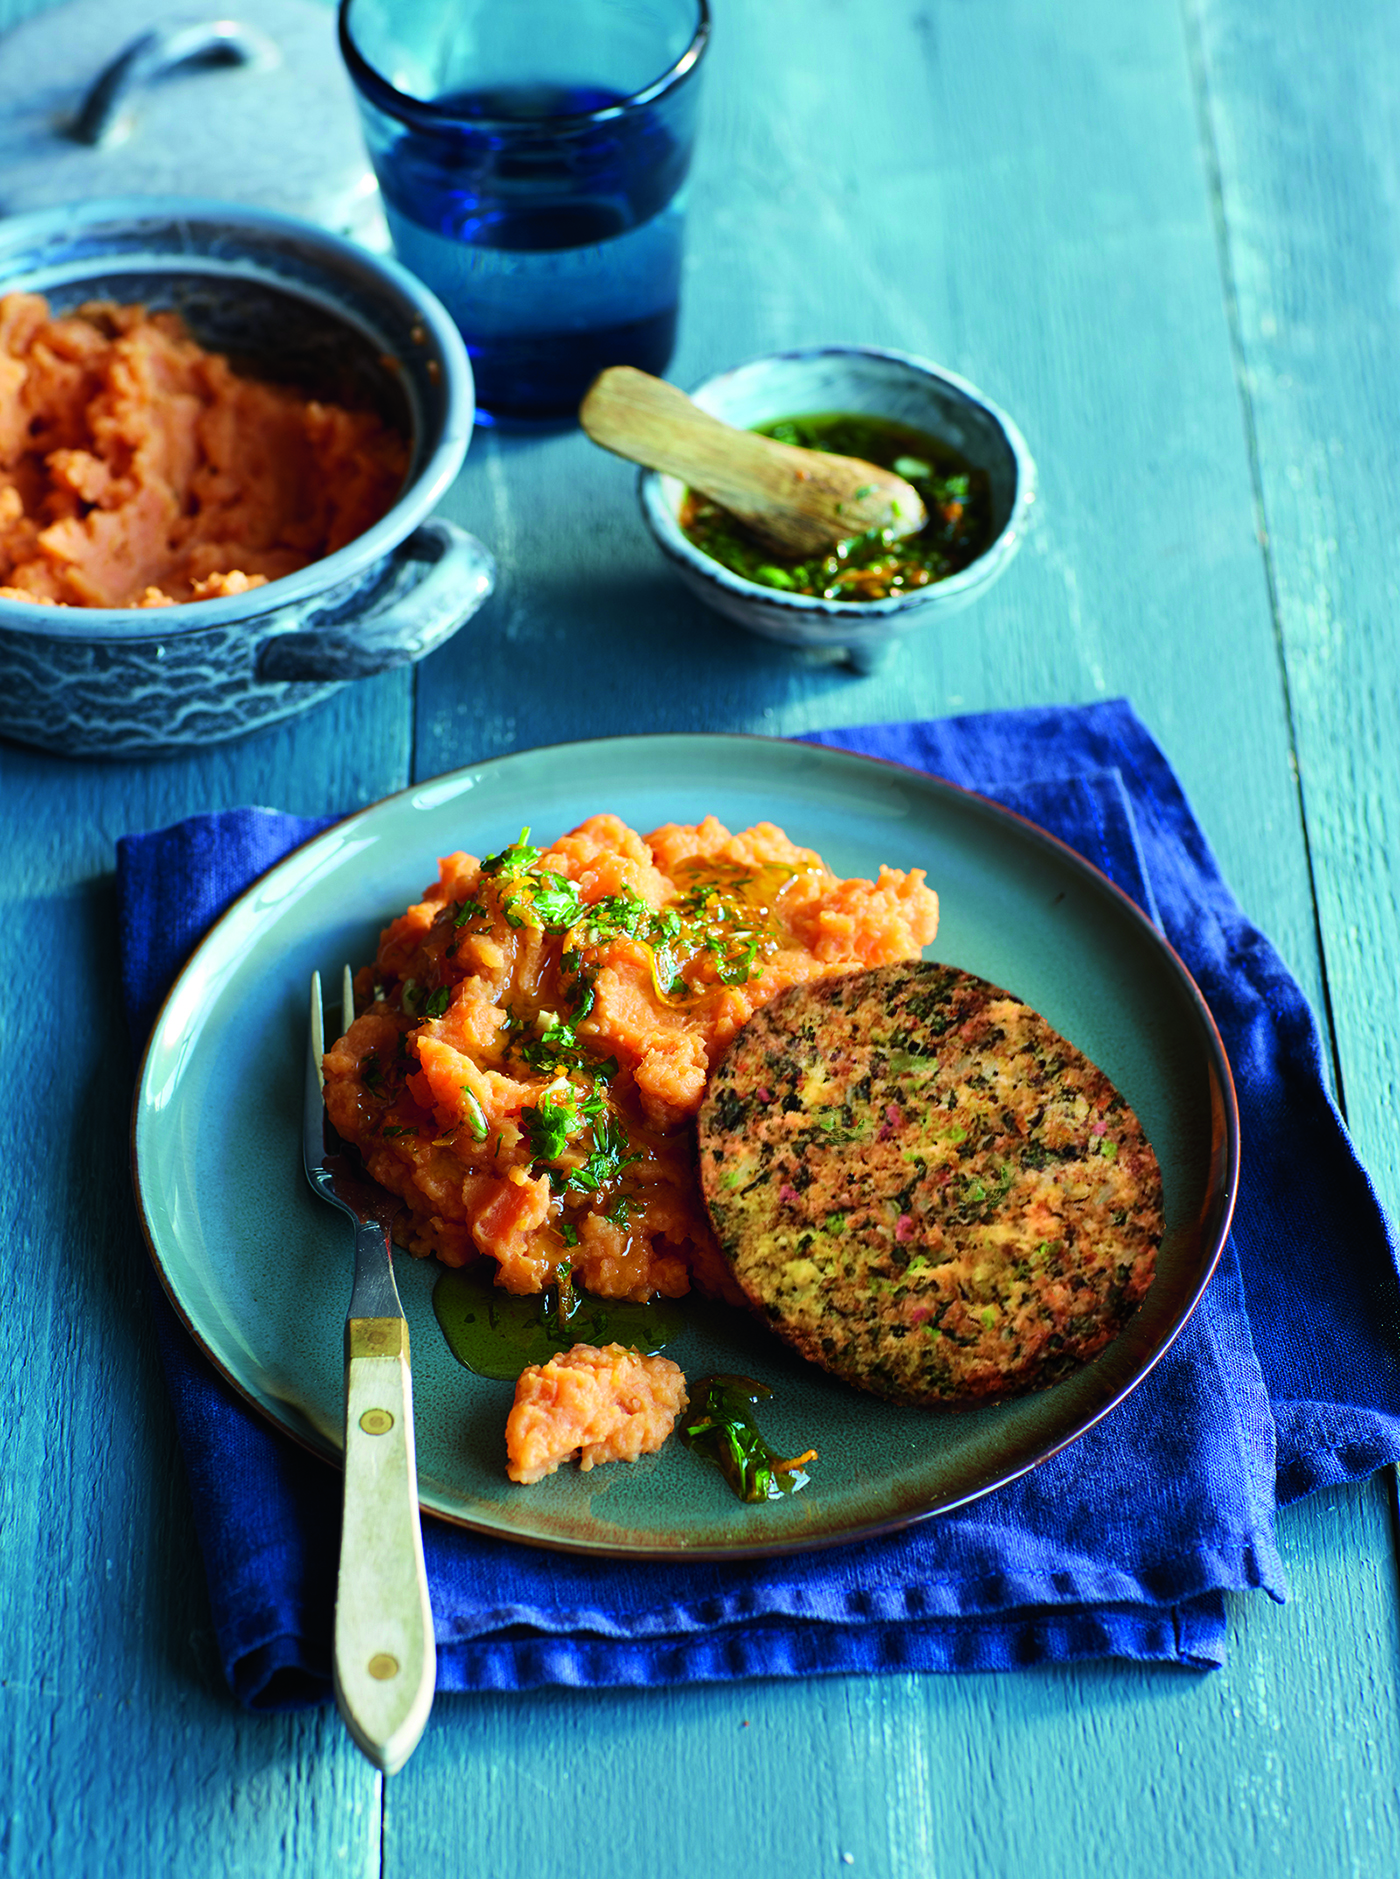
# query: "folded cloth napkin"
{"type": "Point", "coordinates": [1287, 1377]}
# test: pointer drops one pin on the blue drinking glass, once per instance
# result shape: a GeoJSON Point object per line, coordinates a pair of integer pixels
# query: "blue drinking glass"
{"type": "Point", "coordinates": [532, 156]}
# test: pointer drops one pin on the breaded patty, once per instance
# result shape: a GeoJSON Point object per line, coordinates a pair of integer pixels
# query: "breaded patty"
{"type": "Point", "coordinates": [926, 1189]}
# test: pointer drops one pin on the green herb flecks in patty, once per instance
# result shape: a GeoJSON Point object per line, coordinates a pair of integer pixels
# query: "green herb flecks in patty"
{"type": "Point", "coordinates": [926, 1189]}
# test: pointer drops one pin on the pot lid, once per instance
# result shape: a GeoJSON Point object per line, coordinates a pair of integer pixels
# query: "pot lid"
{"type": "Point", "coordinates": [141, 98]}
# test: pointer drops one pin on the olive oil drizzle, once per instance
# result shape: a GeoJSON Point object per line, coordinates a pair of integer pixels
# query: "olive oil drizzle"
{"type": "Point", "coordinates": [495, 1334]}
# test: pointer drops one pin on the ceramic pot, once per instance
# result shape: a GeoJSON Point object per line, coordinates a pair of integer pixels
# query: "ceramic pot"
{"type": "Point", "coordinates": [288, 301]}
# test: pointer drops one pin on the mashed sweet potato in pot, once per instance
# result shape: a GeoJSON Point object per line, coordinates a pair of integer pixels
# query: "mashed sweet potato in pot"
{"type": "Point", "coordinates": [139, 470]}
{"type": "Point", "coordinates": [534, 1037]}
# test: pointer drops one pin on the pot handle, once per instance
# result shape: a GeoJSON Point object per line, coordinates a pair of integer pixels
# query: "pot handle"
{"type": "Point", "coordinates": [434, 580]}
{"type": "Point", "coordinates": [105, 117]}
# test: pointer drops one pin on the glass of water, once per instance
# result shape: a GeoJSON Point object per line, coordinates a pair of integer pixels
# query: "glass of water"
{"type": "Point", "coordinates": [532, 156]}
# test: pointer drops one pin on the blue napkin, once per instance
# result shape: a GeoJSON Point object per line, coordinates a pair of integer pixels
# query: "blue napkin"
{"type": "Point", "coordinates": [1124, 1545]}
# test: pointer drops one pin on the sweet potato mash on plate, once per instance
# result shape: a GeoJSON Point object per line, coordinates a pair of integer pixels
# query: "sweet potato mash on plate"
{"type": "Point", "coordinates": [535, 1034]}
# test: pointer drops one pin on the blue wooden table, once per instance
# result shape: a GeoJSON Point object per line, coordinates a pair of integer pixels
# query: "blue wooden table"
{"type": "Point", "coordinates": [1165, 236]}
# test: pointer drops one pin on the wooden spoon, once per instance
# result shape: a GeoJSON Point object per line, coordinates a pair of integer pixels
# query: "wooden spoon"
{"type": "Point", "coordinates": [799, 502]}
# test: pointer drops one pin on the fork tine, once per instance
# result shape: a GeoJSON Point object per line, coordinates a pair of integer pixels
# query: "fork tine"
{"type": "Point", "coordinates": [347, 999]}
{"type": "Point", "coordinates": [313, 1145]}
{"type": "Point", "coordinates": [318, 1032]}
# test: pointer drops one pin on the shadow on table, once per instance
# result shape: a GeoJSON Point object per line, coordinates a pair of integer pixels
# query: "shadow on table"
{"type": "Point", "coordinates": [547, 661]}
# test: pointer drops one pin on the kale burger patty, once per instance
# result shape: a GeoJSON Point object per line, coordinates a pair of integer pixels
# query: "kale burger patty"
{"type": "Point", "coordinates": [924, 1188]}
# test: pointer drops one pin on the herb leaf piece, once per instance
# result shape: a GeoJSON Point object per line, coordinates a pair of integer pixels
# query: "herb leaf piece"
{"type": "Point", "coordinates": [721, 1429]}
{"type": "Point", "coordinates": [519, 858]}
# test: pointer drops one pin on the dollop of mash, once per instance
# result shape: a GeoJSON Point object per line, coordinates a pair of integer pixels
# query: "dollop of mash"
{"type": "Point", "coordinates": [608, 1404]}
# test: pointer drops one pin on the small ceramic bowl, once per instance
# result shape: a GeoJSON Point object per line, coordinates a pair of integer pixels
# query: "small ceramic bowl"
{"type": "Point", "coordinates": [289, 301]}
{"type": "Point", "coordinates": [876, 383]}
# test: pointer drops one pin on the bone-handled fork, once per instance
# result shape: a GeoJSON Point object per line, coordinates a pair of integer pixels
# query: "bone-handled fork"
{"type": "Point", "coordinates": [385, 1659]}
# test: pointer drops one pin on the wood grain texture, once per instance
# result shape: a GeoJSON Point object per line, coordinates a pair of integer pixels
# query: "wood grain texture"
{"type": "Point", "coordinates": [1015, 191]}
{"type": "Point", "coordinates": [1304, 124]}
{"type": "Point", "coordinates": [1020, 192]}
{"type": "Point", "coordinates": [1025, 191]}
{"type": "Point", "coordinates": [124, 1753]}
{"type": "Point", "coordinates": [1036, 1775]}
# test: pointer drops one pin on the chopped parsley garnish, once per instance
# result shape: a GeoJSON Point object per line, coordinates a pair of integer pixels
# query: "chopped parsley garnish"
{"type": "Point", "coordinates": [736, 958]}
{"type": "Point", "coordinates": [476, 1115]}
{"type": "Point", "coordinates": [717, 931]}
{"type": "Point", "coordinates": [580, 994]}
{"type": "Point", "coordinates": [556, 902]}
{"type": "Point", "coordinates": [556, 1119]}
{"type": "Point", "coordinates": [607, 1159]}
{"type": "Point", "coordinates": [558, 1049]}
{"type": "Point", "coordinates": [553, 1121]}
{"type": "Point", "coordinates": [562, 1301]}
{"type": "Point", "coordinates": [619, 915]}
{"type": "Point", "coordinates": [710, 920]}
{"type": "Point", "coordinates": [518, 859]}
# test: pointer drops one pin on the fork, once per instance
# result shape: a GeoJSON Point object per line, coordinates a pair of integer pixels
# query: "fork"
{"type": "Point", "coordinates": [385, 1662]}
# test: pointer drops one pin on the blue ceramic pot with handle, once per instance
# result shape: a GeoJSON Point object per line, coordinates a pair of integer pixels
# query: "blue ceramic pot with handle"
{"type": "Point", "coordinates": [285, 300]}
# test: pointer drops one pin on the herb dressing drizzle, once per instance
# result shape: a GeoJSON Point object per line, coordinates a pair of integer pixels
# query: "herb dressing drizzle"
{"type": "Point", "coordinates": [720, 1427]}
{"type": "Point", "coordinates": [496, 1334]}
{"type": "Point", "coordinates": [875, 564]}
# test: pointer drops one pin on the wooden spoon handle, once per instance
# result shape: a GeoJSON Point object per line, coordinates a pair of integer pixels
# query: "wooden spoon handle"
{"type": "Point", "coordinates": [800, 501]}
{"type": "Point", "coordinates": [645, 419]}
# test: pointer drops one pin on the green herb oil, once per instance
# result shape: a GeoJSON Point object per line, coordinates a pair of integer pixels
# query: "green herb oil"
{"type": "Point", "coordinates": [498, 1335]}
{"type": "Point", "coordinates": [874, 565]}
{"type": "Point", "coordinates": [719, 1426]}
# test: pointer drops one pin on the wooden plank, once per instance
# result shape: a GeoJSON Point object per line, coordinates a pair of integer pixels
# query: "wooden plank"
{"type": "Point", "coordinates": [1021, 193]}
{"type": "Point", "coordinates": [1299, 122]}
{"type": "Point", "coordinates": [1303, 117]}
{"type": "Point", "coordinates": [124, 1752]}
{"type": "Point", "coordinates": [1104, 1769]}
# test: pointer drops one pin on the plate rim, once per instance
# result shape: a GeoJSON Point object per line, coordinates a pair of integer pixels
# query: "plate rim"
{"type": "Point", "coordinates": [1223, 1188]}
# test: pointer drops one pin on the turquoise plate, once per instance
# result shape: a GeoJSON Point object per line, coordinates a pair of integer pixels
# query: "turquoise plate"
{"type": "Point", "coordinates": [259, 1269]}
